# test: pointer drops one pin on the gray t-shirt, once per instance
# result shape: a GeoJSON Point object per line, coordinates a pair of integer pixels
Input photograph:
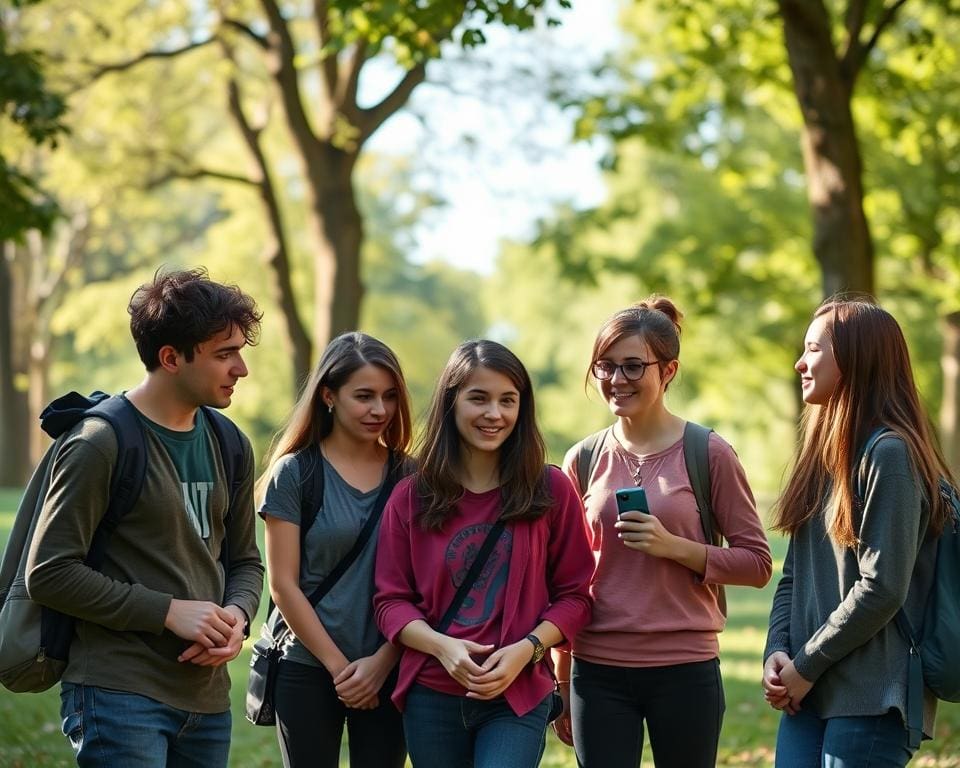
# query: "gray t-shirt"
{"type": "Point", "coordinates": [346, 611]}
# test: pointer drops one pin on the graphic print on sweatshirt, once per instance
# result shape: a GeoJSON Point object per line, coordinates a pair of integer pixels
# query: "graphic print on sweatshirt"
{"type": "Point", "coordinates": [485, 598]}
{"type": "Point", "coordinates": [196, 500]}
{"type": "Point", "coordinates": [191, 453]}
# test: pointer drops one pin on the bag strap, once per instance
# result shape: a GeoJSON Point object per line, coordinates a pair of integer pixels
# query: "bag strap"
{"type": "Point", "coordinates": [915, 685]}
{"type": "Point", "coordinates": [376, 513]}
{"type": "Point", "coordinates": [231, 454]}
{"type": "Point", "coordinates": [310, 464]}
{"type": "Point", "coordinates": [279, 626]}
{"type": "Point", "coordinates": [696, 455]}
{"type": "Point", "coordinates": [475, 567]}
{"type": "Point", "coordinates": [128, 474]}
{"type": "Point", "coordinates": [588, 456]}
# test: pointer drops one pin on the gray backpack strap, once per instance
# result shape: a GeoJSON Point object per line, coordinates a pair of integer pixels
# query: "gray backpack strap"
{"type": "Point", "coordinates": [588, 456]}
{"type": "Point", "coordinates": [696, 455]}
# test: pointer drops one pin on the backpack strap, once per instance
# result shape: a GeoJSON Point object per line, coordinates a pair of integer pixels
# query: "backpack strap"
{"type": "Point", "coordinates": [128, 473]}
{"type": "Point", "coordinates": [310, 464]}
{"type": "Point", "coordinates": [230, 442]}
{"type": "Point", "coordinates": [588, 456]}
{"type": "Point", "coordinates": [696, 455]}
{"type": "Point", "coordinates": [859, 479]}
{"type": "Point", "coordinates": [915, 685]}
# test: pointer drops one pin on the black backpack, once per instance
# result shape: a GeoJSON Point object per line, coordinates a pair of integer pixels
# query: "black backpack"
{"type": "Point", "coordinates": [696, 440]}
{"type": "Point", "coordinates": [35, 640]}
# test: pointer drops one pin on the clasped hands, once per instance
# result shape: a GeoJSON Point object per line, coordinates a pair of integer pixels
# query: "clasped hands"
{"type": "Point", "coordinates": [216, 632]}
{"type": "Point", "coordinates": [783, 687]}
{"type": "Point", "coordinates": [485, 680]}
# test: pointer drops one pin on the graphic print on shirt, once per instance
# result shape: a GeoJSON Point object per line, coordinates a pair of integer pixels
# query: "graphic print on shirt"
{"type": "Point", "coordinates": [480, 603]}
{"type": "Point", "coordinates": [196, 499]}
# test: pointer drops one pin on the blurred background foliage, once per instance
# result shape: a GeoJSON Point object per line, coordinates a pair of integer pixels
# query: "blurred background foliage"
{"type": "Point", "coordinates": [205, 133]}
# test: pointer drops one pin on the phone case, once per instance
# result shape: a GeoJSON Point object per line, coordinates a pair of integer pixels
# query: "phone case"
{"type": "Point", "coordinates": [629, 499]}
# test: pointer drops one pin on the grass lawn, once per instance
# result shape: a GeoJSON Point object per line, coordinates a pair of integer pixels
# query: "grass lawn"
{"type": "Point", "coordinates": [30, 729]}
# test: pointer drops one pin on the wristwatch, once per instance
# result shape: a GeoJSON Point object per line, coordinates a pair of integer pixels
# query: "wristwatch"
{"type": "Point", "coordinates": [538, 649]}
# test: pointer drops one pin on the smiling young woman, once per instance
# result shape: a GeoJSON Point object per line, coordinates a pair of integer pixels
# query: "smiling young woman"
{"type": "Point", "coordinates": [649, 658]}
{"type": "Point", "coordinates": [352, 424]}
{"type": "Point", "coordinates": [835, 663]}
{"type": "Point", "coordinates": [474, 690]}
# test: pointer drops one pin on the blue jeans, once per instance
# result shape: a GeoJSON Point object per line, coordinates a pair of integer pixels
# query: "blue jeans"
{"type": "Point", "coordinates": [113, 729]}
{"type": "Point", "coordinates": [875, 741]}
{"type": "Point", "coordinates": [447, 731]}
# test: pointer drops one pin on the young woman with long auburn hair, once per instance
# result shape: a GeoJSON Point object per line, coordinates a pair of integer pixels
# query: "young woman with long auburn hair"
{"type": "Point", "coordinates": [477, 693]}
{"type": "Point", "coordinates": [649, 660]}
{"type": "Point", "coordinates": [354, 420]}
{"type": "Point", "coordinates": [835, 662]}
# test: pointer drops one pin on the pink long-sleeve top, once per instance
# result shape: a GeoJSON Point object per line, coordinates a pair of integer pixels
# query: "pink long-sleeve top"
{"type": "Point", "coordinates": [547, 576]}
{"type": "Point", "coordinates": [651, 611]}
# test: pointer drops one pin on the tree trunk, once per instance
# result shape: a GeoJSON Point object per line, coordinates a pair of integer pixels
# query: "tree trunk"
{"type": "Point", "coordinates": [339, 230]}
{"type": "Point", "coordinates": [38, 390]}
{"type": "Point", "coordinates": [14, 465]}
{"type": "Point", "coordinates": [831, 155]}
{"type": "Point", "coordinates": [276, 252]}
{"type": "Point", "coordinates": [950, 404]}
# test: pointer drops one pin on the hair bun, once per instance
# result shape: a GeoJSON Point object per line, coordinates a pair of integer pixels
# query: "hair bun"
{"type": "Point", "coordinates": [657, 303]}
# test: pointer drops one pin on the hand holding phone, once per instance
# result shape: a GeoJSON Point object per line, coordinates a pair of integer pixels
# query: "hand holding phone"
{"type": "Point", "coordinates": [631, 499]}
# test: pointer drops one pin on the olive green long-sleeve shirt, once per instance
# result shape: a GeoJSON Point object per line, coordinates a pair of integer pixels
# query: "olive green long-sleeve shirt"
{"type": "Point", "coordinates": [154, 555]}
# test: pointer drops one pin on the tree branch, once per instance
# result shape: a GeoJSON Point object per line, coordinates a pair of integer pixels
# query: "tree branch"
{"type": "Point", "coordinates": [853, 22]}
{"type": "Point", "coordinates": [193, 174]}
{"type": "Point", "coordinates": [238, 25]}
{"type": "Point", "coordinates": [121, 66]}
{"type": "Point", "coordinates": [862, 52]}
{"type": "Point", "coordinates": [276, 253]}
{"type": "Point", "coordinates": [284, 73]}
{"type": "Point", "coordinates": [346, 97]}
{"type": "Point", "coordinates": [371, 119]}
{"type": "Point", "coordinates": [331, 75]}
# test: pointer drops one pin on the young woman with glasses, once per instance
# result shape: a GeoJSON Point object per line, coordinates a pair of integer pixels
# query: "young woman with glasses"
{"type": "Point", "coordinates": [649, 658]}
{"type": "Point", "coordinates": [863, 535]}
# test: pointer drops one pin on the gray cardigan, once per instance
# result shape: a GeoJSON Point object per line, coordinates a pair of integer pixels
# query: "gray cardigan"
{"type": "Point", "coordinates": [833, 608]}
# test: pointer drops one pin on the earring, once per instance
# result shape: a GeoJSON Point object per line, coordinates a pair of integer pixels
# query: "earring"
{"type": "Point", "coordinates": [330, 408]}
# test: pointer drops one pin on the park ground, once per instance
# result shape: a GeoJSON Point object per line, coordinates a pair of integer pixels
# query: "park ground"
{"type": "Point", "coordinates": [30, 727]}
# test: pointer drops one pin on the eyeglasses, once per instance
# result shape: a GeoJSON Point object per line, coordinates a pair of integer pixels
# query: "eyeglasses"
{"type": "Point", "coordinates": [604, 369]}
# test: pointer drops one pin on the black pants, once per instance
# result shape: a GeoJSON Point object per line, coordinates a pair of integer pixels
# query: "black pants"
{"type": "Point", "coordinates": [681, 705]}
{"type": "Point", "coordinates": [310, 721]}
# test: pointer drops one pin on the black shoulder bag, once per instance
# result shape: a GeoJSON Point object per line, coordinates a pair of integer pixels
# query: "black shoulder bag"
{"type": "Point", "coordinates": [267, 651]}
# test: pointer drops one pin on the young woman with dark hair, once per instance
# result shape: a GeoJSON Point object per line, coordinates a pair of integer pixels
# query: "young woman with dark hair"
{"type": "Point", "coordinates": [337, 668]}
{"type": "Point", "coordinates": [835, 663]}
{"type": "Point", "coordinates": [476, 693]}
{"type": "Point", "coordinates": [650, 658]}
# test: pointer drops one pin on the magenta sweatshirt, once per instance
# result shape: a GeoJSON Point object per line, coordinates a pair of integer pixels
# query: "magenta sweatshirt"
{"type": "Point", "coordinates": [548, 578]}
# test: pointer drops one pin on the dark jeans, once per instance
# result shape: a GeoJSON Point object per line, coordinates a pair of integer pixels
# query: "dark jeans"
{"type": "Point", "coordinates": [447, 731]}
{"type": "Point", "coordinates": [310, 721]}
{"type": "Point", "coordinates": [682, 707]}
{"type": "Point", "coordinates": [114, 729]}
{"type": "Point", "coordinates": [876, 741]}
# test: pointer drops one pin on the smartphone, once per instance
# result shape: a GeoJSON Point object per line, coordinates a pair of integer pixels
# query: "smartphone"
{"type": "Point", "coordinates": [629, 499]}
